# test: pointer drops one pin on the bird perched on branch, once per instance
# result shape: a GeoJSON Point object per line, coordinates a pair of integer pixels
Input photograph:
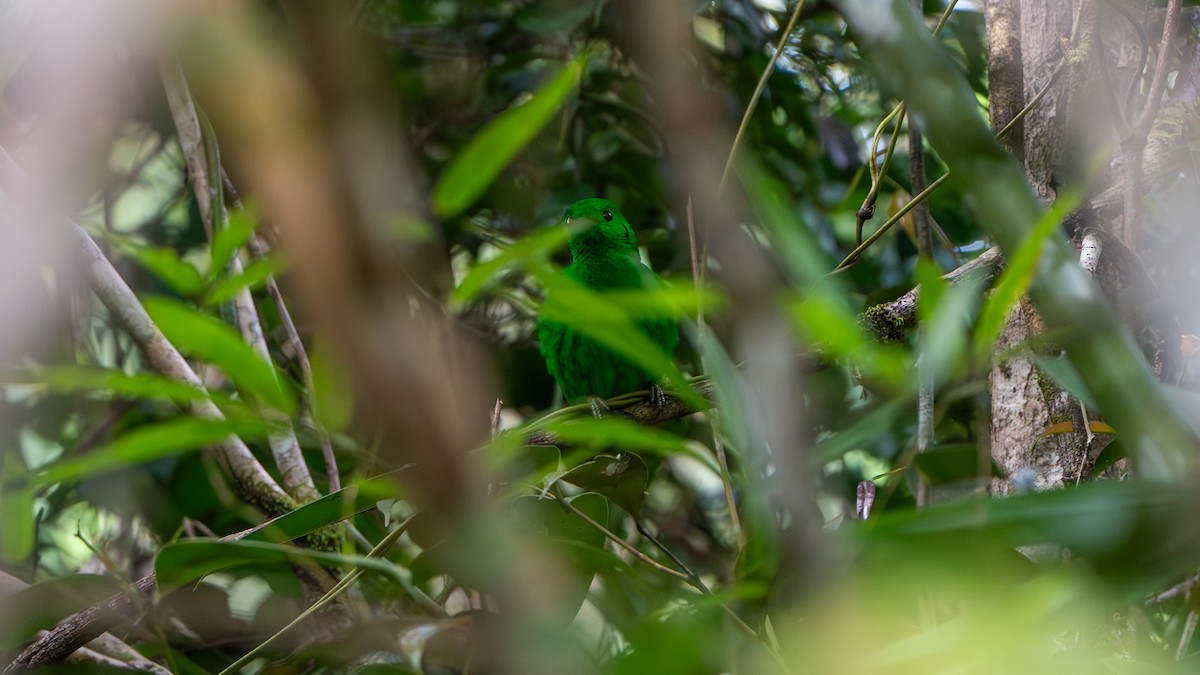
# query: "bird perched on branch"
{"type": "Point", "coordinates": [604, 256]}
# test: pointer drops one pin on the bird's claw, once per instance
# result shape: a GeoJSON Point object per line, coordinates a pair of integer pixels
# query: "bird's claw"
{"type": "Point", "coordinates": [600, 409]}
{"type": "Point", "coordinates": [658, 397]}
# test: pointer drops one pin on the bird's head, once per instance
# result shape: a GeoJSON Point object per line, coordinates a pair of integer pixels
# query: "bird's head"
{"type": "Point", "coordinates": [596, 224]}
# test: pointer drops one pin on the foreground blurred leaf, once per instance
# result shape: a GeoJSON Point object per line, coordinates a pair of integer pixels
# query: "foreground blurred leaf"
{"type": "Point", "coordinates": [1018, 274]}
{"type": "Point", "coordinates": [572, 537]}
{"type": "Point", "coordinates": [954, 462]}
{"type": "Point", "coordinates": [617, 432]}
{"type": "Point", "coordinates": [16, 507]}
{"type": "Point", "coordinates": [161, 261]}
{"type": "Point", "coordinates": [1139, 532]}
{"type": "Point", "coordinates": [181, 562]}
{"type": "Point", "coordinates": [332, 508]}
{"type": "Point", "coordinates": [477, 165]}
{"type": "Point", "coordinates": [622, 479]}
{"type": "Point", "coordinates": [213, 340]}
{"type": "Point", "coordinates": [42, 606]}
{"type": "Point", "coordinates": [148, 443]}
{"type": "Point", "coordinates": [239, 227]}
{"type": "Point", "coordinates": [253, 276]}
{"type": "Point", "coordinates": [140, 385]}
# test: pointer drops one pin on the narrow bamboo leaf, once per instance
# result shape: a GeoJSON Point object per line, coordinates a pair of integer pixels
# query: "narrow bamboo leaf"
{"type": "Point", "coordinates": [42, 606]}
{"type": "Point", "coordinates": [825, 322]}
{"type": "Point", "coordinates": [253, 276]}
{"type": "Point", "coordinates": [181, 562]}
{"type": "Point", "coordinates": [16, 503]}
{"type": "Point", "coordinates": [148, 443]}
{"type": "Point", "coordinates": [487, 273]}
{"type": "Point", "coordinates": [1017, 276]}
{"type": "Point", "coordinates": [954, 462]}
{"type": "Point", "coordinates": [333, 392]}
{"type": "Point", "coordinates": [486, 155]}
{"type": "Point", "coordinates": [108, 381]}
{"type": "Point", "coordinates": [588, 432]}
{"type": "Point", "coordinates": [946, 325]}
{"type": "Point", "coordinates": [332, 508]}
{"type": "Point", "coordinates": [215, 341]}
{"type": "Point", "coordinates": [161, 261]}
{"type": "Point", "coordinates": [226, 240]}
{"type": "Point", "coordinates": [1063, 373]}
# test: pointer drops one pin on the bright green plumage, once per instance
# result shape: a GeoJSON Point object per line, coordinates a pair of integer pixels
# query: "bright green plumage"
{"type": "Point", "coordinates": [604, 256]}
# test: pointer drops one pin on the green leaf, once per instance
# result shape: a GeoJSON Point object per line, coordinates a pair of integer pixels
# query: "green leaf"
{"type": "Point", "coordinates": [215, 341]}
{"type": "Point", "coordinates": [333, 392]}
{"type": "Point", "coordinates": [486, 273]}
{"type": "Point", "coordinates": [181, 562]}
{"type": "Point", "coordinates": [824, 320]}
{"type": "Point", "coordinates": [617, 432]}
{"type": "Point", "coordinates": [477, 165]}
{"type": "Point", "coordinates": [1017, 276]}
{"type": "Point", "coordinates": [227, 240]}
{"type": "Point", "coordinates": [148, 443]}
{"type": "Point", "coordinates": [42, 606]}
{"type": "Point", "coordinates": [146, 385]}
{"type": "Point", "coordinates": [161, 261]}
{"type": "Point", "coordinates": [253, 276]}
{"type": "Point", "coordinates": [571, 536]}
{"type": "Point", "coordinates": [1063, 373]}
{"type": "Point", "coordinates": [332, 508]}
{"type": "Point", "coordinates": [622, 479]}
{"type": "Point", "coordinates": [953, 463]}
{"type": "Point", "coordinates": [16, 505]}
{"type": "Point", "coordinates": [946, 324]}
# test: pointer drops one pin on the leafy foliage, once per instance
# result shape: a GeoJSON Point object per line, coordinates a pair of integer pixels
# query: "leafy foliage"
{"type": "Point", "coordinates": [696, 545]}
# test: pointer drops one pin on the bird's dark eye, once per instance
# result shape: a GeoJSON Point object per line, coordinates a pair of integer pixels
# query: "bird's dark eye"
{"type": "Point", "coordinates": [607, 215]}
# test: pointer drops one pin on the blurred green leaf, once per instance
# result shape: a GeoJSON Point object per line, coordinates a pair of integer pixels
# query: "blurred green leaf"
{"type": "Point", "coordinates": [946, 324]}
{"type": "Point", "coordinates": [622, 479]}
{"type": "Point", "coordinates": [486, 273]}
{"type": "Point", "coordinates": [824, 320]}
{"type": "Point", "coordinates": [43, 605]}
{"type": "Point", "coordinates": [332, 508]}
{"type": "Point", "coordinates": [105, 380]}
{"type": "Point", "coordinates": [617, 432]}
{"type": "Point", "coordinates": [481, 161]}
{"type": "Point", "coordinates": [148, 443]}
{"type": "Point", "coordinates": [333, 392]}
{"type": "Point", "coordinates": [253, 276]}
{"type": "Point", "coordinates": [161, 261]}
{"type": "Point", "coordinates": [954, 462]}
{"type": "Point", "coordinates": [183, 561]}
{"type": "Point", "coordinates": [1063, 373]}
{"type": "Point", "coordinates": [239, 227]}
{"type": "Point", "coordinates": [571, 536]}
{"type": "Point", "coordinates": [1017, 276]}
{"type": "Point", "coordinates": [16, 506]}
{"type": "Point", "coordinates": [210, 339]}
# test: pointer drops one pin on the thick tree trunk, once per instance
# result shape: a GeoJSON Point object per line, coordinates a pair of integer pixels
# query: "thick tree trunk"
{"type": "Point", "coordinates": [1025, 49]}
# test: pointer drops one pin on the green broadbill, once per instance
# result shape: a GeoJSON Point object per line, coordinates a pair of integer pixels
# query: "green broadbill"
{"type": "Point", "coordinates": [604, 256]}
